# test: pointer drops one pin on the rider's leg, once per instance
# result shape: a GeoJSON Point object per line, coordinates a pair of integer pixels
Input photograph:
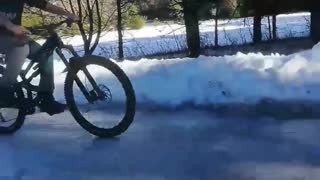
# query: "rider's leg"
{"type": "Point", "coordinates": [46, 85]}
{"type": "Point", "coordinates": [46, 69]}
{"type": "Point", "coordinates": [15, 58]}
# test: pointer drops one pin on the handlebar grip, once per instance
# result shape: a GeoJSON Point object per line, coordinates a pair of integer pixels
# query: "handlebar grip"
{"type": "Point", "coordinates": [34, 30]}
{"type": "Point", "coordinates": [50, 27]}
{"type": "Point", "coordinates": [69, 22]}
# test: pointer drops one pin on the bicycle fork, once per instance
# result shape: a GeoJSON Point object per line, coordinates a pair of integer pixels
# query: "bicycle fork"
{"type": "Point", "coordinates": [93, 95]}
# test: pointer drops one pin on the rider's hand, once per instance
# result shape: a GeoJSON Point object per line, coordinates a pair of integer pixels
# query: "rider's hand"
{"type": "Point", "coordinates": [73, 17]}
{"type": "Point", "coordinates": [18, 30]}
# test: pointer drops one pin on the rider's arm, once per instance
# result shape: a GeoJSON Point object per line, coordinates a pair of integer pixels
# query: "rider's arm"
{"type": "Point", "coordinates": [5, 22]}
{"type": "Point", "coordinates": [16, 29]}
{"type": "Point", "coordinates": [47, 6]}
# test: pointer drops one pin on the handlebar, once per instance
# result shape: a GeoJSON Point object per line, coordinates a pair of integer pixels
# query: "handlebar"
{"type": "Point", "coordinates": [49, 28]}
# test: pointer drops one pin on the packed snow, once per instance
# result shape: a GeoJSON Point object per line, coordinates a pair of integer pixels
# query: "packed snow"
{"type": "Point", "coordinates": [206, 81]}
{"type": "Point", "coordinates": [241, 78]}
{"type": "Point", "coordinates": [167, 38]}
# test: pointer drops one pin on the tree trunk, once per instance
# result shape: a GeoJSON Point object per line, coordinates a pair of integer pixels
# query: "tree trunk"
{"type": "Point", "coordinates": [257, 34]}
{"type": "Point", "coordinates": [119, 28]}
{"type": "Point", "coordinates": [270, 28]}
{"type": "Point", "coordinates": [216, 31]}
{"type": "Point", "coordinates": [315, 26]}
{"type": "Point", "coordinates": [274, 27]}
{"type": "Point", "coordinates": [192, 28]}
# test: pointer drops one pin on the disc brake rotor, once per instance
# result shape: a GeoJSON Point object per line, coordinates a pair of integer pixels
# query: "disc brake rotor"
{"type": "Point", "coordinates": [106, 93]}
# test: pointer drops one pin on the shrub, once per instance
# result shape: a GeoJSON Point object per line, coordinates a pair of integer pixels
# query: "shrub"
{"type": "Point", "coordinates": [30, 20]}
{"type": "Point", "coordinates": [136, 22]}
{"type": "Point", "coordinates": [132, 19]}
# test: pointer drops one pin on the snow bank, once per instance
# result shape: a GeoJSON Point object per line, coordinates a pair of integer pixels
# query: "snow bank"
{"type": "Point", "coordinates": [242, 78]}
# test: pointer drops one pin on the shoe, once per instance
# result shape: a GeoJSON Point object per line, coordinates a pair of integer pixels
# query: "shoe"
{"type": "Point", "coordinates": [49, 105]}
{"type": "Point", "coordinates": [7, 98]}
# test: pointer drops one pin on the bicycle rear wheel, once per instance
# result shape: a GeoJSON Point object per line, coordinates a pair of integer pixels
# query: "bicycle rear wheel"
{"type": "Point", "coordinates": [11, 118]}
{"type": "Point", "coordinates": [100, 96]}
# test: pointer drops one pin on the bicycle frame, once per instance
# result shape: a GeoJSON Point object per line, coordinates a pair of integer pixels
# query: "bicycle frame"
{"type": "Point", "coordinates": [54, 43]}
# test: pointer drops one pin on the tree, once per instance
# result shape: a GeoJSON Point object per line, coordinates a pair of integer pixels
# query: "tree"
{"type": "Point", "coordinates": [227, 7]}
{"type": "Point", "coordinates": [119, 29]}
{"type": "Point", "coordinates": [216, 18]}
{"type": "Point", "coordinates": [315, 19]}
{"type": "Point", "coordinates": [95, 17]}
{"type": "Point", "coordinates": [127, 16]}
{"type": "Point", "coordinates": [257, 34]}
{"type": "Point", "coordinates": [191, 19]}
{"type": "Point", "coordinates": [223, 9]}
{"type": "Point", "coordinates": [274, 27]}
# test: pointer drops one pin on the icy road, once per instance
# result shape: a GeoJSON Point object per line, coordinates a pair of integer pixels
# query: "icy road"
{"type": "Point", "coordinates": [187, 144]}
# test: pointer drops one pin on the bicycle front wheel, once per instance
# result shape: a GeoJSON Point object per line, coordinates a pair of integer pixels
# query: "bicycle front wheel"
{"type": "Point", "coordinates": [100, 96]}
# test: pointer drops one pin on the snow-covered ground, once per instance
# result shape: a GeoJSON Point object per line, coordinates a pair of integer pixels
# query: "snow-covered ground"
{"type": "Point", "coordinates": [171, 37]}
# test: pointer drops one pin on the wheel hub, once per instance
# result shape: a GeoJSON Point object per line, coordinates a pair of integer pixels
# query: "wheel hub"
{"type": "Point", "coordinates": [103, 94]}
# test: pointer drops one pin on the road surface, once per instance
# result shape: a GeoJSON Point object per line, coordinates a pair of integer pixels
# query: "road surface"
{"type": "Point", "coordinates": [186, 144]}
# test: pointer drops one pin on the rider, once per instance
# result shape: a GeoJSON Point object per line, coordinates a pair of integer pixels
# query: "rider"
{"type": "Point", "coordinates": [11, 33]}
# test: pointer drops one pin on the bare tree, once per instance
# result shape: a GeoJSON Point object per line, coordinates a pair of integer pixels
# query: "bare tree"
{"type": "Point", "coordinates": [269, 28]}
{"type": "Point", "coordinates": [95, 17]}
{"type": "Point", "coordinates": [315, 27]}
{"type": "Point", "coordinates": [227, 7]}
{"type": "Point", "coordinates": [216, 18]}
{"type": "Point", "coordinates": [119, 29]}
{"type": "Point", "coordinates": [257, 33]}
{"type": "Point", "coordinates": [274, 27]}
{"type": "Point", "coordinates": [223, 9]}
{"type": "Point", "coordinates": [123, 6]}
{"type": "Point", "coordinates": [191, 20]}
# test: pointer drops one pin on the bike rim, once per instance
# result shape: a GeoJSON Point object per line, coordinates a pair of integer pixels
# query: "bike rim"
{"type": "Point", "coordinates": [8, 117]}
{"type": "Point", "coordinates": [109, 107]}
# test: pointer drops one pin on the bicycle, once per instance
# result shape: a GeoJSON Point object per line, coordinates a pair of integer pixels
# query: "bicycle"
{"type": "Point", "coordinates": [78, 82]}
